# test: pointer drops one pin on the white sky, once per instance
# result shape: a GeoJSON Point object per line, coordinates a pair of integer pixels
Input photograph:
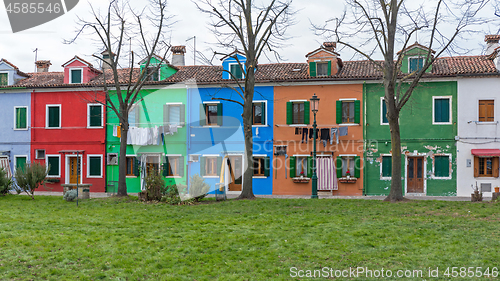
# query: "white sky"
{"type": "Point", "coordinates": [48, 38]}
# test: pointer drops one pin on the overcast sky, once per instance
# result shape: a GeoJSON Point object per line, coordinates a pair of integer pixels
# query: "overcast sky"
{"type": "Point", "coordinates": [48, 38]}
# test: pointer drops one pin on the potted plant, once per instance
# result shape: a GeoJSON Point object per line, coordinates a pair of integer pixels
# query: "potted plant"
{"type": "Point", "coordinates": [302, 174]}
{"type": "Point", "coordinates": [348, 174]}
{"type": "Point", "coordinates": [497, 189]}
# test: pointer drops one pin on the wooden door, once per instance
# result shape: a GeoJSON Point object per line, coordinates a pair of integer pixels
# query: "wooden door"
{"type": "Point", "coordinates": [236, 172]}
{"type": "Point", "coordinates": [415, 172]}
{"type": "Point", "coordinates": [73, 170]}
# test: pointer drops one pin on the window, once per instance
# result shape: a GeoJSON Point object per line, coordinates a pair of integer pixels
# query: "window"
{"type": "Point", "coordinates": [154, 74]}
{"type": "Point", "coordinates": [94, 166]}
{"type": "Point", "coordinates": [442, 110]}
{"type": "Point", "coordinates": [441, 166]}
{"type": "Point", "coordinates": [261, 165]}
{"type": "Point", "coordinates": [210, 165]}
{"type": "Point", "coordinates": [211, 114]}
{"type": "Point", "coordinates": [298, 112]}
{"type": "Point", "coordinates": [486, 111]}
{"type": "Point", "coordinates": [174, 114]}
{"type": "Point", "coordinates": [4, 79]}
{"type": "Point", "coordinates": [194, 158]}
{"type": "Point", "coordinates": [40, 154]}
{"type": "Point", "coordinates": [321, 68]}
{"type": "Point", "coordinates": [348, 111]}
{"type": "Point", "coordinates": [300, 166]}
{"type": "Point", "coordinates": [259, 113]}
{"type": "Point", "coordinates": [20, 162]}
{"type": "Point", "coordinates": [415, 64]}
{"type": "Point", "coordinates": [386, 166]}
{"type": "Point", "coordinates": [485, 166]}
{"type": "Point", "coordinates": [54, 165]}
{"type": "Point", "coordinates": [75, 76]}
{"type": "Point", "coordinates": [21, 118]}
{"type": "Point", "coordinates": [152, 163]}
{"type": "Point", "coordinates": [132, 166]}
{"type": "Point", "coordinates": [53, 116]}
{"type": "Point", "coordinates": [134, 115]}
{"type": "Point", "coordinates": [95, 118]}
{"type": "Point", "coordinates": [173, 166]}
{"type": "Point", "coordinates": [383, 112]}
{"type": "Point", "coordinates": [348, 163]}
{"type": "Point", "coordinates": [236, 71]}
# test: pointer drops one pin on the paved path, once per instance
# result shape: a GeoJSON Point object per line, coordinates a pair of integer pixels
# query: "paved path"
{"type": "Point", "coordinates": [439, 198]}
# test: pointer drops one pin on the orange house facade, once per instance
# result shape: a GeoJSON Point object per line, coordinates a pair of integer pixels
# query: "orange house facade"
{"type": "Point", "coordinates": [339, 161]}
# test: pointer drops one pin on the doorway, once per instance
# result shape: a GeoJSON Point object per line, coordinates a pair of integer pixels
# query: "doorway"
{"type": "Point", "coordinates": [235, 164]}
{"type": "Point", "coordinates": [73, 170]}
{"type": "Point", "coordinates": [415, 175]}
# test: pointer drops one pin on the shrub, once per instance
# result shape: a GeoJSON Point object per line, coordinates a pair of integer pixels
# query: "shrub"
{"type": "Point", "coordinates": [70, 195]}
{"type": "Point", "coordinates": [31, 177]}
{"type": "Point", "coordinates": [5, 182]}
{"type": "Point", "coordinates": [198, 188]}
{"type": "Point", "coordinates": [155, 185]}
{"type": "Point", "coordinates": [173, 197]}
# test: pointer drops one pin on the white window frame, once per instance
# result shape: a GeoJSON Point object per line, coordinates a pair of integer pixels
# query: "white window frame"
{"type": "Point", "coordinates": [381, 166]}
{"type": "Point", "coordinates": [36, 154]}
{"type": "Point", "coordinates": [191, 157]}
{"type": "Point", "coordinates": [47, 163]}
{"type": "Point", "coordinates": [265, 112]}
{"type": "Point", "coordinates": [47, 116]}
{"type": "Point", "coordinates": [88, 166]}
{"type": "Point", "coordinates": [15, 160]}
{"type": "Point", "coordinates": [88, 116]}
{"type": "Point", "coordinates": [175, 104]}
{"type": "Point", "coordinates": [259, 156]}
{"type": "Point", "coordinates": [210, 103]}
{"type": "Point", "coordinates": [211, 156]}
{"type": "Point", "coordinates": [8, 77]}
{"type": "Point", "coordinates": [415, 57]}
{"type": "Point", "coordinates": [67, 168]}
{"type": "Point", "coordinates": [433, 175]}
{"type": "Point", "coordinates": [349, 100]}
{"type": "Point", "coordinates": [320, 62]}
{"type": "Point", "coordinates": [433, 112]}
{"type": "Point", "coordinates": [231, 74]}
{"type": "Point", "coordinates": [27, 118]}
{"type": "Point", "coordinates": [71, 75]}
{"type": "Point", "coordinates": [382, 101]}
{"type": "Point", "coordinates": [130, 156]}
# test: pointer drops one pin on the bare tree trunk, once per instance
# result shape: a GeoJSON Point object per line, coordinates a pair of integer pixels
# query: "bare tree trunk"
{"type": "Point", "coordinates": [122, 167]}
{"type": "Point", "coordinates": [396, 192]}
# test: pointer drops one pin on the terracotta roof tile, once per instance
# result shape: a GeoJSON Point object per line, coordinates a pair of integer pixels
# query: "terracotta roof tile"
{"type": "Point", "coordinates": [19, 72]}
{"type": "Point", "coordinates": [42, 79]}
{"type": "Point", "coordinates": [491, 37]}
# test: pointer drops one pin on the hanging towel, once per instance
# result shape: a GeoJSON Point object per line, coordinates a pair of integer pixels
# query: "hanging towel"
{"type": "Point", "coordinates": [332, 132]}
{"type": "Point", "coordinates": [342, 131]}
{"type": "Point", "coordinates": [325, 135]}
{"type": "Point", "coordinates": [115, 131]}
{"type": "Point", "coordinates": [296, 131]}
{"type": "Point", "coordinates": [119, 131]}
{"type": "Point", "coordinates": [304, 135]}
{"type": "Point", "coordinates": [173, 129]}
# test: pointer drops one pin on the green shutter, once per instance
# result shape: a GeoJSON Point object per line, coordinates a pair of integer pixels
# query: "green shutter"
{"type": "Point", "coordinates": [384, 113]}
{"type": "Point", "coordinates": [166, 117]}
{"type": "Point", "coordinates": [263, 113]}
{"type": "Point", "coordinates": [54, 117]}
{"type": "Point", "coordinates": [339, 112]}
{"type": "Point", "coordinates": [165, 167]}
{"type": "Point", "coordinates": [386, 166]}
{"type": "Point", "coordinates": [267, 166]}
{"type": "Point", "coordinates": [76, 76]}
{"type": "Point", "coordinates": [312, 69]}
{"type": "Point", "coordinates": [445, 110]}
{"type": "Point", "coordinates": [20, 163]}
{"type": "Point", "coordinates": [357, 111]}
{"type": "Point", "coordinates": [289, 112]}
{"type": "Point", "coordinates": [203, 116]}
{"type": "Point", "coordinates": [202, 166]}
{"type": "Point", "coordinates": [94, 166]}
{"type": "Point", "coordinates": [219, 165]}
{"type": "Point", "coordinates": [21, 118]}
{"type": "Point", "coordinates": [329, 68]}
{"type": "Point", "coordinates": [307, 112]}
{"type": "Point", "coordinates": [53, 163]}
{"type": "Point", "coordinates": [309, 167]}
{"type": "Point", "coordinates": [219, 114]}
{"type": "Point", "coordinates": [95, 117]}
{"type": "Point", "coordinates": [441, 166]}
{"type": "Point", "coordinates": [357, 167]}
{"type": "Point", "coordinates": [437, 110]}
{"type": "Point", "coordinates": [181, 166]}
{"type": "Point", "coordinates": [293, 163]}
{"type": "Point", "coordinates": [137, 164]}
{"type": "Point", "coordinates": [183, 114]}
{"type": "Point", "coordinates": [4, 79]}
{"type": "Point", "coordinates": [338, 166]}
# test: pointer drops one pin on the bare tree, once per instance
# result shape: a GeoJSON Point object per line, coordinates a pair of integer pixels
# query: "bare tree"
{"type": "Point", "coordinates": [255, 30]}
{"type": "Point", "coordinates": [382, 26]}
{"type": "Point", "coordinates": [115, 31]}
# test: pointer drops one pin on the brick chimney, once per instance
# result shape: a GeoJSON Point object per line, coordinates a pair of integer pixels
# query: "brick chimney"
{"type": "Point", "coordinates": [491, 43]}
{"type": "Point", "coordinates": [178, 55]}
{"type": "Point", "coordinates": [42, 65]}
{"type": "Point", "coordinates": [330, 46]}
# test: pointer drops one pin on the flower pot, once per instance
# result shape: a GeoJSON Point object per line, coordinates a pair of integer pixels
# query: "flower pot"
{"type": "Point", "coordinates": [497, 189]}
{"type": "Point", "coordinates": [348, 177]}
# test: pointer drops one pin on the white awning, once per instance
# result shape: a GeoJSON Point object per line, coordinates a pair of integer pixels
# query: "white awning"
{"type": "Point", "coordinates": [4, 163]}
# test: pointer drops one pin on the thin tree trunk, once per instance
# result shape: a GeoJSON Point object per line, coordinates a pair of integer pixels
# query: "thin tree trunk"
{"type": "Point", "coordinates": [396, 192]}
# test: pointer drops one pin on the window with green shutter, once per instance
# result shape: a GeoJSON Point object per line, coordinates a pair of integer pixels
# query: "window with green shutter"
{"type": "Point", "coordinates": [95, 166]}
{"type": "Point", "coordinates": [259, 113]}
{"type": "Point", "coordinates": [4, 79]}
{"type": "Point", "coordinates": [236, 71]}
{"type": "Point", "coordinates": [20, 162]}
{"type": "Point", "coordinates": [21, 118]}
{"type": "Point", "coordinates": [298, 112]}
{"type": "Point", "coordinates": [386, 166]}
{"type": "Point", "coordinates": [441, 110]}
{"type": "Point", "coordinates": [53, 166]}
{"type": "Point", "coordinates": [95, 115]}
{"type": "Point", "coordinates": [53, 116]}
{"type": "Point", "coordinates": [383, 112]}
{"type": "Point", "coordinates": [76, 76]}
{"type": "Point", "coordinates": [348, 111]}
{"type": "Point", "coordinates": [415, 64]}
{"type": "Point", "coordinates": [441, 166]}
{"type": "Point", "coordinates": [261, 166]}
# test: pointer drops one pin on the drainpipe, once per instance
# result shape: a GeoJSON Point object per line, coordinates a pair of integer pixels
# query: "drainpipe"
{"type": "Point", "coordinates": [365, 114]}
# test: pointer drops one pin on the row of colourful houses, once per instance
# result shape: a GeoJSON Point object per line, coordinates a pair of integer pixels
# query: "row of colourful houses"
{"type": "Point", "coordinates": [184, 124]}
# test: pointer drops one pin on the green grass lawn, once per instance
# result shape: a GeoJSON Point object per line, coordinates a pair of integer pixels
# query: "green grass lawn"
{"type": "Point", "coordinates": [50, 239]}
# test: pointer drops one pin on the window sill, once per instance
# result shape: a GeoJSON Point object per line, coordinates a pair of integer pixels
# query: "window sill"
{"type": "Point", "coordinates": [259, 126]}
{"type": "Point", "coordinates": [351, 124]}
{"type": "Point", "coordinates": [301, 180]}
{"type": "Point", "coordinates": [211, 126]}
{"type": "Point", "coordinates": [94, 177]}
{"type": "Point", "coordinates": [131, 177]}
{"type": "Point", "coordinates": [346, 180]}
{"type": "Point", "coordinates": [486, 123]}
{"type": "Point", "coordinates": [298, 125]}
{"type": "Point", "coordinates": [173, 177]}
{"type": "Point", "coordinates": [88, 127]}
{"type": "Point", "coordinates": [51, 128]}
{"type": "Point", "coordinates": [441, 123]}
{"type": "Point", "coordinates": [211, 177]}
{"type": "Point", "coordinates": [440, 178]}
{"type": "Point", "coordinates": [259, 177]}
{"type": "Point", "coordinates": [21, 129]}
{"type": "Point", "coordinates": [52, 177]}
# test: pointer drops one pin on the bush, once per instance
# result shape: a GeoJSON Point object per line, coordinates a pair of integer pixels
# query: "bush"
{"type": "Point", "coordinates": [70, 195]}
{"type": "Point", "coordinates": [198, 188]}
{"type": "Point", "coordinates": [155, 185]}
{"type": "Point", "coordinates": [5, 182]}
{"type": "Point", "coordinates": [173, 197]}
{"type": "Point", "coordinates": [31, 177]}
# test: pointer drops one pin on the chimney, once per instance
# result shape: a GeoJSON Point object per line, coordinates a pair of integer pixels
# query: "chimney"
{"type": "Point", "coordinates": [108, 58]}
{"type": "Point", "coordinates": [178, 55]}
{"type": "Point", "coordinates": [330, 46]}
{"type": "Point", "coordinates": [491, 43]}
{"type": "Point", "coordinates": [42, 65]}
